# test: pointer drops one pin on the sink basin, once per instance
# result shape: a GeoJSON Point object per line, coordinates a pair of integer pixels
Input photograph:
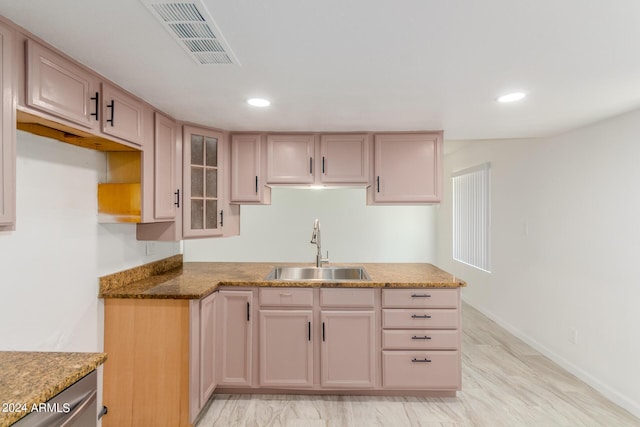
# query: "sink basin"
{"type": "Point", "coordinates": [319, 274]}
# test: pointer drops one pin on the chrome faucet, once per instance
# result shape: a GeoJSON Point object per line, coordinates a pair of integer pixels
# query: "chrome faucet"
{"type": "Point", "coordinates": [315, 239]}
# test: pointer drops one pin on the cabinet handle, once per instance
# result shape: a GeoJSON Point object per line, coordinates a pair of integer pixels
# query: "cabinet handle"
{"type": "Point", "coordinates": [248, 311]}
{"type": "Point", "coordinates": [323, 165]}
{"type": "Point", "coordinates": [378, 182]}
{"type": "Point", "coordinates": [309, 323]}
{"type": "Point", "coordinates": [112, 106]}
{"type": "Point", "coordinates": [425, 360]}
{"type": "Point", "coordinates": [418, 316]}
{"type": "Point", "coordinates": [256, 184]}
{"type": "Point", "coordinates": [177, 193]}
{"type": "Point", "coordinates": [322, 331]}
{"type": "Point", "coordinates": [310, 165]}
{"type": "Point", "coordinates": [221, 218]}
{"type": "Point", "coordinates": [415, 337]}
{"type": "Point", "coordinates": [285, 294]}
{"type": "Point", "coordinates": [420, 296]}
{"type": "Point", "coordinates": [97, 100]}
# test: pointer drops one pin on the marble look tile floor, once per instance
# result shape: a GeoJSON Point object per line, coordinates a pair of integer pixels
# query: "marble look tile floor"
{"type": "Point", "coordinates": [505, 383]}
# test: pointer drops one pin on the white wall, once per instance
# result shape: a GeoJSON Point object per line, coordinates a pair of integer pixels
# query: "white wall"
{"type": "Point", "coordinates": [351, 230]}
{"type": "Point", "coordinates": [51, 263]}
{"type": "Point", "coordinates": [566, 242]}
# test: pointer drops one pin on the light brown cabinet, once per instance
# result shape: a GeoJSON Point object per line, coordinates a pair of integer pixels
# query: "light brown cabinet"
{"type": "Point", "coordinates": [407, 168]}
{"type": "Point", "coordinates": [7, 132]}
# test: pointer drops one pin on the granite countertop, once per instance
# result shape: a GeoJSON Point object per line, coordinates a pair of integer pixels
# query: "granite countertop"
{"type": "Point", "coordinates": [28, 378]}
{"type": "Point", "coordinates": [195, 280]}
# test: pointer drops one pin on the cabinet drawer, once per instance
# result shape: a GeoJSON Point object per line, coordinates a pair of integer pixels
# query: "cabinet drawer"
{"type": "Point", "coordinates": [347, 297]}
{"type": "Point", "coordinates": [421, 369]}
{"type": "Point", "coordinates": [299, 297]}
{"type": "Point", "coordinates": [420, 318]}
{"type": "Point", "coordinates": [420, 339]}
{"type": "Point", "coordinates": [420, 298]}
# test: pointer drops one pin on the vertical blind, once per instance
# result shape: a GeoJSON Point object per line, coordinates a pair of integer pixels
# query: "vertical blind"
{"type": "Point", "coordinates": [472, 216]}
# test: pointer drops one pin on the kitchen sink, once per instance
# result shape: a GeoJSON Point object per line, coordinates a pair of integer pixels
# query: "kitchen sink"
{"type": "Point", "coordinates": [319, 274]}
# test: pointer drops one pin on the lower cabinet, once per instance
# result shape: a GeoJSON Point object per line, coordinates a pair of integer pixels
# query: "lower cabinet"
{"type": "Point", "coordinates": [348, 352]}
{"type": "Point", "coordinates": [286, 349]}
{"type": "Point", "coordinates": [235, 339]}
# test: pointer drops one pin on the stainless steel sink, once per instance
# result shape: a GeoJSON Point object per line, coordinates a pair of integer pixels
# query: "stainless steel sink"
{"type": "Point", "coordinates": [319, 274]}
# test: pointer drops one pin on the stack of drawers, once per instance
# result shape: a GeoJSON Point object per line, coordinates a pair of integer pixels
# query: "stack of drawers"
{"type": "Point", "coordinates": [421, 339]}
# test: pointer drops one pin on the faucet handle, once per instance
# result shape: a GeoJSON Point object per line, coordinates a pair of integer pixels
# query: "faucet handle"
{"type": "Point", "coordinates": [327, 258]}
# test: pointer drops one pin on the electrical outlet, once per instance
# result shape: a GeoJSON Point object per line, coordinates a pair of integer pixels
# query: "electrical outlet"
{"type": "Point", "coordinates": [573, 336]}
{"type": "Point", "coordinates": [151, 248]}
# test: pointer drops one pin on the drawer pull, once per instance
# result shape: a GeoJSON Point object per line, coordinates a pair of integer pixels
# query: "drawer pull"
{"type": "Point", "coordinates": [415, 337]}
{"type": "Point", "coordinates": [418, 316]}
{"type": "Point", "coordinates": [420, 296]}
{"type": "Point", "coordinates": [425, 360]}
{"type": "Point", "coordinates": [285, 294]}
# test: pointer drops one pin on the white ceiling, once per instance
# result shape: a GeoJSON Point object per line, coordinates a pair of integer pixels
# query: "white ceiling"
{"type": "Point", "coordinates": [336, 65]}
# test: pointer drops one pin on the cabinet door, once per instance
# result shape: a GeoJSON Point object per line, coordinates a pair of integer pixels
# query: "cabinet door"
{"type": "Point", "coordinates": [203, 215]}
{"type": "Point", "coordinates": [290, 159]}
{"type": "Point", "coordinates": [246, 185]}
{"type": "Point", "coordinates": [122, 115]}
{"type": "Point", "coordinates": [286, 350]}
{"type": "Point", "coordinates": [207, 348]}
{"type": "Point", "coordinates": [166, 192]}
{"type": "Point", "coordinates": [234, 350]}
{"type": "Point", "coordinates": [348, 351]}
{"type": "Point", "coordinates": [7, 132]}
{"type": "Point", "coordinates": [344, 158]}
{"type": "Point", "coordinates": [59, 87]}
{"type": "Point", "coordinates": [408, 168]}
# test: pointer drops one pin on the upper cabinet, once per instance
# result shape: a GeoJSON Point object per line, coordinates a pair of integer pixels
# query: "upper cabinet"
{"type": "Point", "coordinates": [318, 159]}
{"type": "Point", "coordinates": [290, 159]}
{"type": "Point", "coordinates": [247, 177]}
{"type": "Point", "coordinates": [203, 214]}
{"type": "Point", "coordinates": [122, 115]}
{"type": "Point", "coordinates": [166, 192]}
{"type": "Point", "coordinates": [344, 158]}
{"type": "Point", "coordinates": [58, 86]}
{"type": "Point", "coordinates": [407, 168]}
{"type": "Point", "coordinates": [7, 132]}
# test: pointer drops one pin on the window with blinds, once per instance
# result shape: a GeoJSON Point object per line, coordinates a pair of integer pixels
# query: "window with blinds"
{"type": "Point", "coordinates": [472, 216]}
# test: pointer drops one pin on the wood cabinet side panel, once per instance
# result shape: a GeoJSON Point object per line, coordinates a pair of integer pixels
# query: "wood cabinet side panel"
{"type": "Point", "coordinates": [149, 382]}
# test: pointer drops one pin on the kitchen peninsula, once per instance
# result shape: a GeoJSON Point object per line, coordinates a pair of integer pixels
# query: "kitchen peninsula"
{"type": "Point", "coordinates": [176, 337]}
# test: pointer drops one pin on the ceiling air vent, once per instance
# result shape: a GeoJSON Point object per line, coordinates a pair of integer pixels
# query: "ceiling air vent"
{"type": "Point", "coordinates": [194, 29]}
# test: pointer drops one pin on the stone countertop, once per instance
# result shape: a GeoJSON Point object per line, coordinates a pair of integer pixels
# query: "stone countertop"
{"type": "Point", "coordinates": [195, 280]}
{"type": "Point", "coordinates": [28, 378]}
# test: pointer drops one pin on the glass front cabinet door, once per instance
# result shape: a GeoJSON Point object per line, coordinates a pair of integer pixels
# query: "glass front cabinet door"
{"type": "Point", "coordinates": [203, 158]}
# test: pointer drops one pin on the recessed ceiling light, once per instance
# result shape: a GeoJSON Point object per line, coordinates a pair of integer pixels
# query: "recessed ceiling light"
{"type": "Point", "coordinates": [512, 97]}
{"type": "Point", "coordinates": [258, 102]}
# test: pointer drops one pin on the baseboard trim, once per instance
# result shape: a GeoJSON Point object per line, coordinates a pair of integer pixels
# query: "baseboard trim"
{"type": "Point", "coordinates": [604, 389]}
